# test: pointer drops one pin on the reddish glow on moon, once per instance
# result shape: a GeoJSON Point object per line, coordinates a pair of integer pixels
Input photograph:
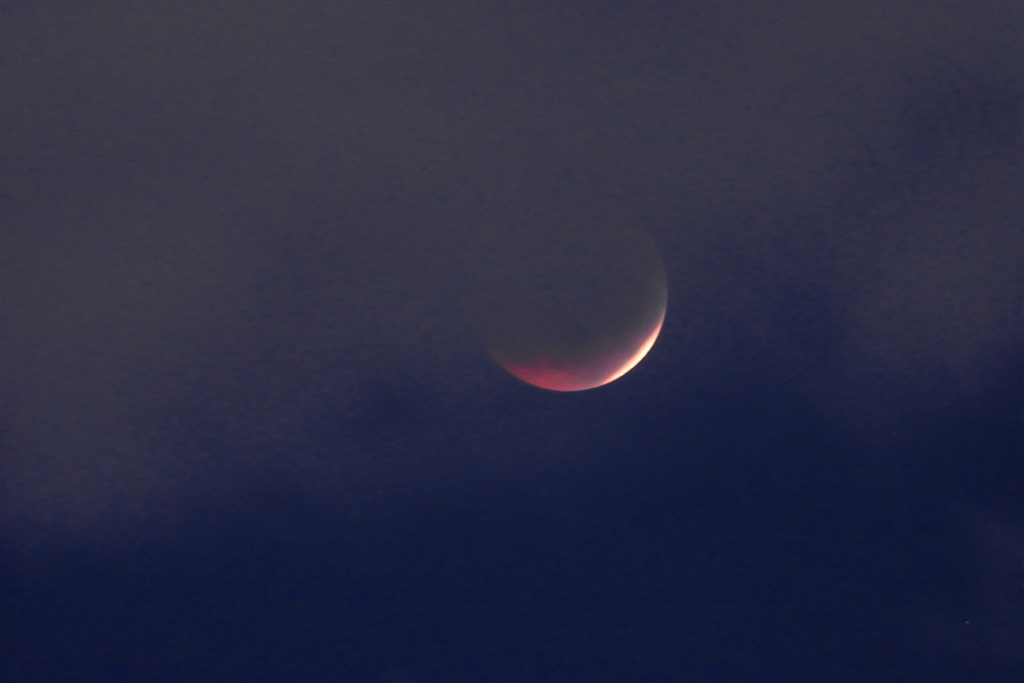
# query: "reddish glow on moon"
{"type": "Point", "coordinates": [594, 373]}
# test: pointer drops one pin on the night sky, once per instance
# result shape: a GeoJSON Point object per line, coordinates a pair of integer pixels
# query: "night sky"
{"type": "Point", "coordinates": [248, 429]}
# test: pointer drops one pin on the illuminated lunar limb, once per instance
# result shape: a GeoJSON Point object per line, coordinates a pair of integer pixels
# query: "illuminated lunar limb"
{"type": "Point", "coordinates": [570, 318]}
{"type": "Point", "coordinates": [588, 375]}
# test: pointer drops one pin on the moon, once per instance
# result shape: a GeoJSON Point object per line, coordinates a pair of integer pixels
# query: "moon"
{"type": "Point", "coordinates": [596, 372]}
{"type": "Point", "coordinates": [575, 311]}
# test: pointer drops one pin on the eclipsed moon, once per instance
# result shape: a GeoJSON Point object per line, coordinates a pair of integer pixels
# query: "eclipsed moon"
{"type": "Point", "coordinates": [594, 372]}
{"type": "Point", "coordinates": [574, 311]}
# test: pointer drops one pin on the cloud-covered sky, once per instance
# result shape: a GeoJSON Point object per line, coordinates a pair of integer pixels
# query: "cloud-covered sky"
{"type": "Point", "coordinates": [240, 247]}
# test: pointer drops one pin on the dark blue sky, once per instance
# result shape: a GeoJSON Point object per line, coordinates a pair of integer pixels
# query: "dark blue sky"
{"type": "Point", "coordinates": [247, 431]}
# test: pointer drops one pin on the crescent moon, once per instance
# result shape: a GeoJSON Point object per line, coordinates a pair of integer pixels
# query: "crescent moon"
{"type": "Point", "coordinates": [581, 376]}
